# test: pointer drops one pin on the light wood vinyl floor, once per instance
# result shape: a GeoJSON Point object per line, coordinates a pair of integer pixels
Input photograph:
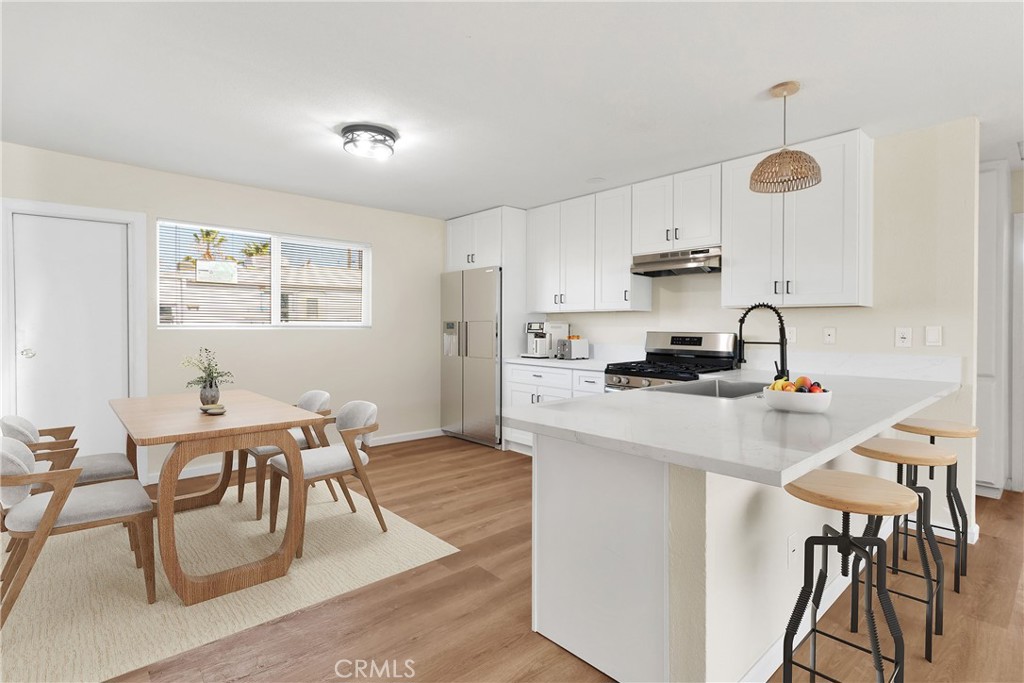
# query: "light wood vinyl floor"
{"type": "Point", "coordinates": [466, 617]}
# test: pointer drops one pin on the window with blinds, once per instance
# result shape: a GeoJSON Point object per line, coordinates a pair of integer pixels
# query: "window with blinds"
{"type": "Point", "coordinates": [215, 277]}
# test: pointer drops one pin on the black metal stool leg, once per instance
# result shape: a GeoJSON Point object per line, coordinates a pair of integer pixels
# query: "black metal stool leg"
{"type": "Point", "coordinates": [964, 529]}
{"type": "Point", "coordinates": [954, 513]}
{"type": "Point", "coordinates": [798, 612]}
{"type": "Point", "coordinates": [872, 528]}
{"type": "Point", "coordinates": [940, 573]}
{"type": "Point", "coordinates": [819, 589]}
{"type": "Point", "coordinates": [896, 524]}
{"type": "Point", "coordinates": [869, 615]}
{"type": "Point", "coordinates": [924, 502]}
{"type": "Point", "coordinates": [887, 609]}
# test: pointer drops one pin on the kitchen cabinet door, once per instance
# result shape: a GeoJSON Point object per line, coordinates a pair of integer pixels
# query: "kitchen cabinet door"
{"type": "Point", "coordinates": [577, 254]}
{"type": "Point", "coordinates": [519, 395]}
{"type": "Point", "coordinates": [543, 259]}
{"type": "Point", "coordinates": [652, 216]}
{"type": "Point", "coordinates": [752, 234]}
{"type": "Point", "coordinates": [486, 239]}
{"type": "Point", "coordinates": [697, 208]}
{"type": "Point", "coordinates": [615, 287]}
{"type": "Point", "coordinates": [459, 243]}
{"type": "Point", "coordinates": [824, 244]}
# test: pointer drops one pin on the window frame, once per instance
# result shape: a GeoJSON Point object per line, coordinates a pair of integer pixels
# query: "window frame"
{"type": "Point", "coordinates": [276, 238]}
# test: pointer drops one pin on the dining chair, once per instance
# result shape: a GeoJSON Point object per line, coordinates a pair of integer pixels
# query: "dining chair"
{"type": "Point", "coordinates": [31, 519]}
{"type": "Point", "coordinates": [354, 420]}
{"type": "Point", "coordinates": [315, 401]}
{"type": "Point", "coordinates": [95, 468]}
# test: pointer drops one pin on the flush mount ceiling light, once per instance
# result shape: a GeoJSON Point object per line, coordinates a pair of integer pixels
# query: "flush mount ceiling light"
{"type": "Point", "coordinates": [787, 170]}
{"type": "Point", "coordinates": [370, 141]}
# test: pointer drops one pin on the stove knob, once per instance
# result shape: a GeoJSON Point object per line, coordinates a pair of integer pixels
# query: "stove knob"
{"type": "Point", "coordinates": [645, 382]}
{"type": "Point", "coordinates": [616, 380]}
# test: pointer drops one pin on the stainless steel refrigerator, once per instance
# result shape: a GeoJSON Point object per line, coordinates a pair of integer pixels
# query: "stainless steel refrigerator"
{"type": "Point", "coordinates": [471, 355]}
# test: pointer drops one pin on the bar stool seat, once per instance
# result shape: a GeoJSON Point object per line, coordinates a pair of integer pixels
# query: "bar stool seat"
{"type": "Point", "coordinates": [852, 492]}
{"type": "Point", "coordinates": [905, 452]}
{"type": "Point", "coordinates": [943, 428]}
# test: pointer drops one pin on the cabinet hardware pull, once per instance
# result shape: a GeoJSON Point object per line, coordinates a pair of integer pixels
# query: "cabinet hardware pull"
{"type": "Point", "coordinates": [590, 381]}
{"type": "Point", "coordinates": [473, 260]}
{"type": "Point", "coordinates": [467, 258]}
{"type": "Point", "coordinates": [667, 235]}
{"type": "Point", "coordinates": [538, 376]}
{"type": "Point", "coordinates": [677, 233]}
{"type": "Point", "coordinates": [533, 398]}
{"type": "Point", "coordinates": [561, 298]}
{"type": "Point", "coordinates": [556, 299]}
{"type": "Point", "coordinates": [775, 287]}
{"type": "Point", "coordinates": [625, 295]}
{"type": "Point", "coordinates": [787, 287]}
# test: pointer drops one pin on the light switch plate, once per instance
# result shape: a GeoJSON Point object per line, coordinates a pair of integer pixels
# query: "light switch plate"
{"type": "Point", "coordinates": [904, 337]}
{"type": "Point", "coordinates": [828, 335]}
{"type": "Point", "coordinates": [933, 335]}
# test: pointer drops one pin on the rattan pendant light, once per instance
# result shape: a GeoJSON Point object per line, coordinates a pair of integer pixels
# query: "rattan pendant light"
{"type": "Point", "coordinates": [787, 170]}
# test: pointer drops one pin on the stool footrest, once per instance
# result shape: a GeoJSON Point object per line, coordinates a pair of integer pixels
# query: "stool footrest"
{"type": "Point", "coordinates": [848, 642]}
{"type": "Point", "coordinates": [941, 541]}
{"type": "Point", "coordinates": [814, 672]}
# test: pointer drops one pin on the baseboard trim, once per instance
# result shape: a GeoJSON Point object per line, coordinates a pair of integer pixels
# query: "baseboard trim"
{"type": "Point", "coordinates": [519, 448]}
{"type": "Point", "coordinates": [988, 491]}
{"type": "Point", "coordinates": [399, 438]}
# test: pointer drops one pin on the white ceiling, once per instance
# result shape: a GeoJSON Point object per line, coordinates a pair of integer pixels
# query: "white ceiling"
{"type": "Point", "coordinates": [496, 103]}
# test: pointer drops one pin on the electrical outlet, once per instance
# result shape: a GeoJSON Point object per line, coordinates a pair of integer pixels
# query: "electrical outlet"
{"type": "Point", "coordinates": [828, 335]}
{"type": "Point", "coordinates": [904, 337]}
{"type": "Point", "coordinates": [792, 549]}
{"type": "Point", "coordinates": [933, 335]}
{"type": "Point", "coordinates": [791, 335]}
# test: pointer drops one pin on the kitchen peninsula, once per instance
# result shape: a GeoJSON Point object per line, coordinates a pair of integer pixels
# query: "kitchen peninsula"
{"type": "Point", "coordinates": [662, 540]}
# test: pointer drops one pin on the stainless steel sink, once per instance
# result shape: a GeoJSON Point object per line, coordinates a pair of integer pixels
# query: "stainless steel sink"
{"type": "Point", "coordinates": [715, 388]}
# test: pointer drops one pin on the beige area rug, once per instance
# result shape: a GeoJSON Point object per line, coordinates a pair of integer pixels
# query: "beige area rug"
{"type": "Point", "coordinates": [83, 615]}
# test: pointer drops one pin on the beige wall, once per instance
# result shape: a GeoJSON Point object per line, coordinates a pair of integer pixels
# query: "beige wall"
{"type": "Point", "coordinates": [394, 364]}
{"type": "Point", "coordinates": [1017, 191]}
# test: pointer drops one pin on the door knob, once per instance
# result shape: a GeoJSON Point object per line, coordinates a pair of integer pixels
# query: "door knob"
{"type": "Point", "coordinates": [28, 353]}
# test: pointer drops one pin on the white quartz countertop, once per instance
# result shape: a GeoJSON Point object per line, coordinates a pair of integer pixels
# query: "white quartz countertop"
{"type": "Point", "coordinates": [589, 364]}
{"type": "Point", "coordinates": [741, 437]}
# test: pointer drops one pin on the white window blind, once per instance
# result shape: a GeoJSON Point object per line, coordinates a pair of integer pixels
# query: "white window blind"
{"type": "Point", "coordinates": [215, 277]}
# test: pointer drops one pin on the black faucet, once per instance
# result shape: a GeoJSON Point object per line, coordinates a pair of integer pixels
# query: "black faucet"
{"type": "Point", "coordinates": [780, 367]}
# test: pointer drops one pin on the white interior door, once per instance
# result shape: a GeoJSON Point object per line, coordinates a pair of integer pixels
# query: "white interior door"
{"type": "Point", "coordinates": [71, 328]}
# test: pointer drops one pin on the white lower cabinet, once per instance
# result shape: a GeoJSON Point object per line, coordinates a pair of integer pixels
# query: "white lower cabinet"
{"type": "Point", "coordinates": [531, 384]}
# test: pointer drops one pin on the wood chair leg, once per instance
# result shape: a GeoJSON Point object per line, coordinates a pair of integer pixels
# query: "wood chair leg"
{"type": "Point", "coordinates": [144, 535]}
{"type": "Point", "coordinates": [10, 545]}
{"type": "Point", "coordinates": [243, 463]}
{"type": "Point", "coordinates": [261, 478]}
{"type": "Point", "coordinates": [330, 487]}
{"type": "Point", "coordinates": [373, 500]}
{"type": "Point", "coordinates": [133, 540]}
{"type": "Point", "coordinates": [275, 497]}
{"type": "Point", "coordinates": [12, 588]}
{"type": "Point", "coordinates": [18, 547]}
{"type": "Point", "coordinates": [344, 490]}
{"type": "Point", "coordinates": [131, 537]}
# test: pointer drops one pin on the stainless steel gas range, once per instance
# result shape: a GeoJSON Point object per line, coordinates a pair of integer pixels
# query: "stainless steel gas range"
{"type": "Point", "coordinates": [674, 357]}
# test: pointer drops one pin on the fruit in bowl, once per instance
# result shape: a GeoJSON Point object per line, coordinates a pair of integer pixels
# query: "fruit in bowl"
{"type": "Point", "coordinates": [800, 396]}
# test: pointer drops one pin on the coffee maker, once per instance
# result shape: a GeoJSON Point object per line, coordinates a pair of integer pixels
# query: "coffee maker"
{"type": "Point", "coordinates": [541, 338]}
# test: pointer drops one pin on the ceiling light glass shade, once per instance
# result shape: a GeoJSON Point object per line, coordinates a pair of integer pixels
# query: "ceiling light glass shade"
{"type": "Point", "coordinates": [787, 170]}
{"type": "Point", "coordinates": [372, 142]}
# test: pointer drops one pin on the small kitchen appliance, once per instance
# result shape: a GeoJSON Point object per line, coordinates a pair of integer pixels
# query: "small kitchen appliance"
{"type": "Point", "coordinates": [572, 348]}
{"type": "Point", "coordinates": [542, 338]}
{"type": "Point", "coordinates": [674, 357]}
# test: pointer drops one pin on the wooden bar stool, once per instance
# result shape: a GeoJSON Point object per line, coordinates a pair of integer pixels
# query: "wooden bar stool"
{"type": "Point", "coordinates": [910, 454]}
{"type": "Point", "coordinates": [848, 493]}
{"type": "Point", "coordinates": [957, 511]}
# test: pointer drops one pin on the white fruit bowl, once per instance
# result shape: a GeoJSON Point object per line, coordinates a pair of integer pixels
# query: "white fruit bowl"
{"type": "Point", "coordinates": [793, 402]}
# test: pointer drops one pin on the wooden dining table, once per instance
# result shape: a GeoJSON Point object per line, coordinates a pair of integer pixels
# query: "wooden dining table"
{"type": "Point", "coordinates": [250, 420]}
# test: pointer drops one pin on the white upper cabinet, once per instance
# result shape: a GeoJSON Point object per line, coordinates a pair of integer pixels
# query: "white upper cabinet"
{"type": "Point", "coordinates": [577, 254]}
{"type": "Point", "coordinates": [682, 211]}
{"type": "Point", "coordinates": [560, 256]}
{"type": "Point", "coordinates": [617, 289]}
{"type": "Point", "coordinates": [697, 208]}
{"type": "Point", "coordinates": [652, 216]}
{"type": "Point", "coordinates": [806, 248]}
{"type": "Point", "coordinates": [543, 259]}
{"type": "Point", "coordinates": [474, 241]}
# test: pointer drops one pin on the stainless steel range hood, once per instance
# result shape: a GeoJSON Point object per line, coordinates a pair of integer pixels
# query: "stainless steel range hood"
{"type": "Point", "coordinates": [706, 260]}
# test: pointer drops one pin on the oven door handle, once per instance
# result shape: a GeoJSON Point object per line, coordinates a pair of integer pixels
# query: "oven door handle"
{"type": "Point", "coordinates": [609, 389]}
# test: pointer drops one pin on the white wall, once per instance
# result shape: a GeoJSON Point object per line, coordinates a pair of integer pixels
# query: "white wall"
{"type": "Point", "coordinates": [395, 364]}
